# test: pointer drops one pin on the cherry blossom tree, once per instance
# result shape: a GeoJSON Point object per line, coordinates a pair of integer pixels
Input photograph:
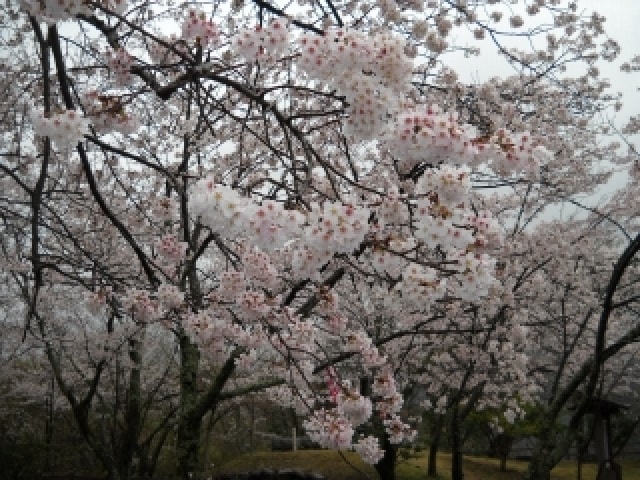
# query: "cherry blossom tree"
{"type": "Point", "coordinates": [216, 188]}
{"type": "Point", "coordinates": [586, 328]}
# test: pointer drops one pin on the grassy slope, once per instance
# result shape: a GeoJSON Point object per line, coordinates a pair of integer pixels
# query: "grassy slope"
{"type": "Point", "coordinates": [334, 467]}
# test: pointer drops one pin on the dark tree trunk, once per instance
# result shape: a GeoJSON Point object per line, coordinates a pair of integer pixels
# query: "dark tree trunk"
{"type": "Point", "coordinates": [539, 470]}
{"type": "Point", "coordinates": [189, 425]}
{"type": "Point", "coordinates": [456, 445]}
{"type": "Point", "coordinates": [133, 425]}
{"type": "Point", "coordinates": [386, 467]}
{"type": "Point", "coordinates": [501, 448]}
{"type": "Point", "coordinates": [48, 428]}
{"type": "Point", "coordinates": [432, 468]}
{"type": "Point", "coordinates": [188, 446]}
{"type": "Point", "coordinates": [503, 463]}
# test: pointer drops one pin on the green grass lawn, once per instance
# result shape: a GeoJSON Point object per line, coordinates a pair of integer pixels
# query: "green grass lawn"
{"type": "Point", "coordinates": [349, 466]}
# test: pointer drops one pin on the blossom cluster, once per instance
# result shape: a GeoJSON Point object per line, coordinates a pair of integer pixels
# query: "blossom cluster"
{"type": "Point", "coordinates": [398, 431]}
{"type": "Point", "coordinates": [476, 276]}
{"type": "Point", "coordinates": [508, 152]}
{"type": "Point", "coordinates": [332, 229]}
{"type": "Point", "coordinates": [448, 185]}
{"type": "Point", "coordinates": [232, 284]}
{"type": "Point", "coordinates": [340, 53]}
{"type": "Point", "coordinates": [168, 50]}
{"type": "Point", "coordinates": [269, 225]}
{"type": "Point", "coordinates": [389, 260]}
{"type": "Point", "coordinates": [140, 305]}
{"type": "Point", "coordinates": [329, 429]}
{"type": "Point", "coordinates": [212, 332]}
{"type": "Point", "coordinates": [55, 10]}
{"type": "Point", "coordinates": [487, 230]}
{"type": "Point", "coordinates": [252, 305]}
{"type": "Point", "coordinates": [119, 63]}
{"type": "Point", "coordinates": [306, 261]}
{"type": "Point", "coordinates": [332, 384]}
{"type": "Point", "coordinates": [170, 296]}
{"type": "Point", "coordinates": [65, 129]}
{"type": "Point", "coordinates": [420, 286]}
{"type": "Point", "coordinates": [336, 227]}
{"type": "Point", "coordinates": [215, 330]}
{"type": "Point", "coordinates": [285, 396]}
{"type": "Point", "coordinates": [329, 228]}
{"type": "Point", "coordinates": [427, 134]}
{"type": "Point", "coordinates": [357, 408]}
{"type": "Point", "coordinates": [258, 267]}
{"type": "Point", "coordinates": [265, 44]}
{"type": "Point", "coordinates": [163, 209]}
{"type": "Point", "coordinates": [196, 28]}
{"type": "Point", "coordinates": [359, 341]}
{"type": "Point", "coordinates": [107, 113]}
{"type": "Point", "coordinates": [170, 249]}
{"type": "Point", "coordinates": [442, 227]}
{"type": "Point", "coordinates": [369, 449]}
{"type": "Point", "coordinates": [297, 341]}
{"type": "Point", "coordinates": [369, 70]}
{"type": "Point", "coordinates": [97, 301]}
{"type": "Point", "coordinates": [392, 210]}
{"type": "Point", "coordinates": [389, 401]}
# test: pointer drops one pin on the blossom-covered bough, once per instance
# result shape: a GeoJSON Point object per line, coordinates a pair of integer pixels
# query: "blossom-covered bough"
{"type": "Point", "coordinates": [241, 183]}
